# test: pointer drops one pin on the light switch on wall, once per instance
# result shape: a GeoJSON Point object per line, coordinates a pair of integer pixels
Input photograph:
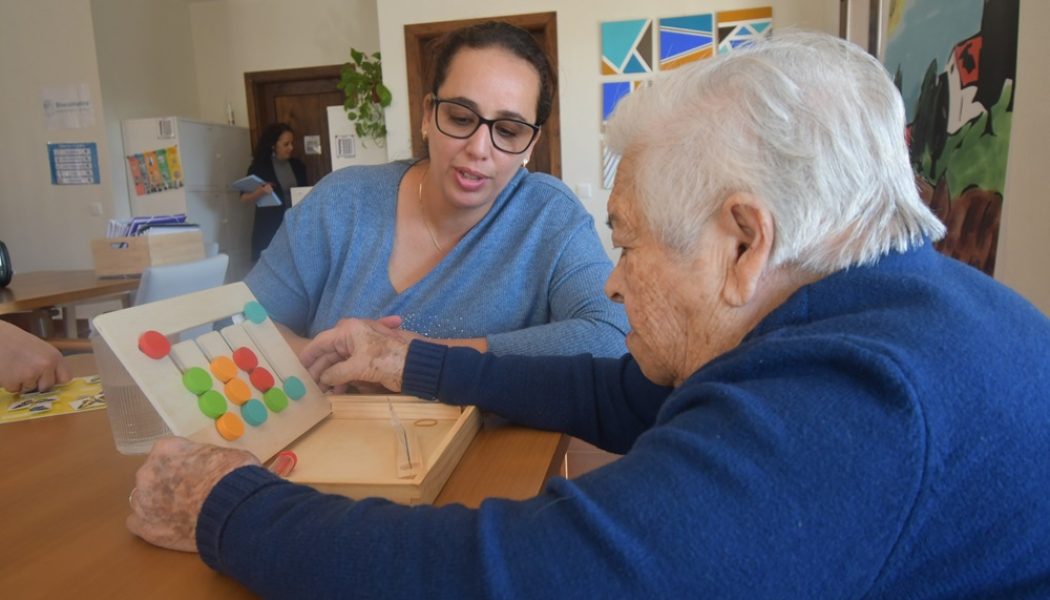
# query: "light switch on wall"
{"type": "Point", "coordinates": [583, 191]}
{"type": "Point", "coordinates": [95, 208]}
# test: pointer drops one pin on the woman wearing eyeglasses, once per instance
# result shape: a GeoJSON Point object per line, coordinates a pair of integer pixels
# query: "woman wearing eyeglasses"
{"type": "Point", "coordinates": [464, 246]}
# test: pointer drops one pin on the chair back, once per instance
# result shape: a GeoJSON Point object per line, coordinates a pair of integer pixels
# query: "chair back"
{"type": "Point", "coordinates": [168, 281]}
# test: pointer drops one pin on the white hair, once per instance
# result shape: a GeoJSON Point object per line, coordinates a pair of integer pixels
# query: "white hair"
{"type": "Point", "coordinates": [807, 122]}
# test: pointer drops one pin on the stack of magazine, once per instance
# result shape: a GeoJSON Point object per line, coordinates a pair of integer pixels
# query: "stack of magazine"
{"type": "Point", "coordinates": [149, 225]}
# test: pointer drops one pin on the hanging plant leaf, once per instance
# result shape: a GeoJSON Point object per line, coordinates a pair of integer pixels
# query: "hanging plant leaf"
{"type": "Point", "coordinates": [365, 95]}
{"type": "Point", "coordinates": [384, 95]}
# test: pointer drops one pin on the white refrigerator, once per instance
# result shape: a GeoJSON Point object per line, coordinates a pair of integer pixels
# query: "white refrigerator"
{"type": "Point", "coordinates": [178, 165]}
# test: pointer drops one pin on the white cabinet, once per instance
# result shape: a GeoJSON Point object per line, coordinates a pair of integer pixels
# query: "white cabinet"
{"type": "Point", "coordinates": [193, 179]}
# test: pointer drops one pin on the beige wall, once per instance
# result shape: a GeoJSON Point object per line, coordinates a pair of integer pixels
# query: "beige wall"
{"type": "Point", "coordinates": [146, 69]}
{"type": "Point", "coordinates": [232, 37]}
{"type": "Point", "coordinates": [1023, 261]}
{"type": "Point", "coordinates": [47, 43]}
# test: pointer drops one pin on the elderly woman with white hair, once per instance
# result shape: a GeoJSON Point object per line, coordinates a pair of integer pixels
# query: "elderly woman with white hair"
{"type": "Point", "coordinates": [816, 403]}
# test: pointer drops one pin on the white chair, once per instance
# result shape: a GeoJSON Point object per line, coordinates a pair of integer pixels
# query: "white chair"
{"type": "Point", "coordinates": [168, 281]}
{"type": "Point", "coordinates": [160, 283]}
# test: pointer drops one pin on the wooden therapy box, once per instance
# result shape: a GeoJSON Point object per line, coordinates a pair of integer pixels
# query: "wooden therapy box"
{"type": "Point", "coordinates": [131, 255]}
{"type": "Point", "coordinates": [390, 446]}
{"type": "Point", "coordinates": [359, 453]}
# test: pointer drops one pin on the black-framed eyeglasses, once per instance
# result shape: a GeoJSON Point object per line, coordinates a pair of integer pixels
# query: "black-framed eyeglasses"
{"type": "Point", "coordinates": [461, 121]}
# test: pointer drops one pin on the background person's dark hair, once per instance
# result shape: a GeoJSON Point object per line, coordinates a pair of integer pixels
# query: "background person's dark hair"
{"type": "Point", "coordinates": [497, 34]}
{"type": "Point", "coordinates": [267, 139]}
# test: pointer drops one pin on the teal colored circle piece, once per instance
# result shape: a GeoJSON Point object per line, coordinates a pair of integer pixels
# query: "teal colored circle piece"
{"type": "Point", "coordinates": [254, 412]}
{"type": "Point", "coordinates": [294, 388]}
{"type": "Point", "coordinates": [212, 404]}
{"type": "Point", "coordinates": [255, 312]}
{"type": "Point", "coordinates": [196, 380]}
{"type": "Point", "coordinates": [275, 399]}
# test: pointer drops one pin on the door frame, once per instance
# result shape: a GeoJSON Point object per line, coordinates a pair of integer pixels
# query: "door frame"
{"type": "Point", "coordinates": [419, 35]}
{"type": "Point", "coordinates": [256, 80]}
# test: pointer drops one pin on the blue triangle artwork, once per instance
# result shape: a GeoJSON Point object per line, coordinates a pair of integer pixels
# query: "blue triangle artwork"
{"type": "Point", "coordinates": [632, 53]}
{"type": "Point", "coordinates": [612, 92]}
{"type": "Point", "coordinates": [627, 47]}
{"type": "Point", "coordinates": [738, 28]}
{"type": "Point", "coordinates": [685, 39]}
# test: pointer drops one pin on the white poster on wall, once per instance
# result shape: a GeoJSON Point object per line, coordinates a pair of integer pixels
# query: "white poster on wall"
{"type": "Point", "coordinates": [347, 148]}
{"type": "Point", "coordinates": [67, 106]}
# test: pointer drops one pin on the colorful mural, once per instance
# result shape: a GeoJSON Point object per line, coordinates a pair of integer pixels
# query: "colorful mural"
{"type": "Point", "coordinates": [628, 48]}
{"type": "Point", "coordinates": [612, 92]}
{"type": "Point", "coordinates": [685, 40]}
{"type": "Point", "coordinates": [741, 27]}
{"type": "Point", "coordinates": [954, 62]}
{"type": "Point", "coordinates": [610, 161]}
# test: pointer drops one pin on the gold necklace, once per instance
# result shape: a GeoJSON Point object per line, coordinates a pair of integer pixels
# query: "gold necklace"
{"type": "Point", "coordinates": [423, 210]}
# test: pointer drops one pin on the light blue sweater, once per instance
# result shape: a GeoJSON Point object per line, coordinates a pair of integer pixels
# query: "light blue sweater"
{"type": "Point", "coordinates": [528, 277]}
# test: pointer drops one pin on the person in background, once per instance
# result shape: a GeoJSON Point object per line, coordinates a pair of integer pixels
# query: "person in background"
{"type": "Point", "coordinates": [465, 246]}
{"type": "Point", "coordinates": [273, 162]}
{"type": "Point", "coordinates": [816, 405]}
{"type": "Point", "coordinates": [28, 362]}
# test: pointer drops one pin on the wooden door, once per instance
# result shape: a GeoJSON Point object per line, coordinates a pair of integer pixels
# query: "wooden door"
{"type": "Point", "coordinates": [546, 157]}
{"type": "Point", "coordinates": [298, 97]}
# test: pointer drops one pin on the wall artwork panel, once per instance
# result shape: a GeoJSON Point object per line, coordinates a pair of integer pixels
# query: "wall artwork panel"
{"type": "Point", "coordinates": [740, 27]}
{"type": "Point", "coordinates": [955, 64]}
{"type": "Point", "coordinates": [686, 39]}
{"type": "Point", "coordinates": [632, 55]}
{"type": "Point", "coordinates": [612, 93]}
{"type": "Point", "coordinates": [627, 47]}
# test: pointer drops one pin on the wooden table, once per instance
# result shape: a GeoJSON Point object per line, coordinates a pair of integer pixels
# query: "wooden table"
{"type": "Point", "coordinates": [64, 493]}
{"type": "Point", "coordinates": [42, 289]}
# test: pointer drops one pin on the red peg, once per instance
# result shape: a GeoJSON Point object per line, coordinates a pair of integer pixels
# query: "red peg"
{"type": "Point", "coordinates": [261, 379]}
{"type": "Point", "coordinates": [154, 345]}
{"type": "Point", "coordinates": [245, 359]}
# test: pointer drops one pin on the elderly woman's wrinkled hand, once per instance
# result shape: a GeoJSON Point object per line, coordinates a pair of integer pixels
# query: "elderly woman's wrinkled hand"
{"type": "Point", "coordinates": [171, 487]}
{"type": "Point", "coordinates": [358, 351]}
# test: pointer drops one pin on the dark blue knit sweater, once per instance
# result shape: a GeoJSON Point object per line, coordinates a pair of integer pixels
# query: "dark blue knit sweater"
{"type": "Point", "coordinates": [885, 433]}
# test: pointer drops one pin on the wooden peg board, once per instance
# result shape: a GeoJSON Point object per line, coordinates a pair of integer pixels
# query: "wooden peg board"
{"type": "Point", "coordinates": [161, 379]}
{"type": "Point", "coordinates": [355, 452]}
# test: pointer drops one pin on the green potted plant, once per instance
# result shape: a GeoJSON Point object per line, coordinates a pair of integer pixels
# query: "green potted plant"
{"type": "Point", "coordinates": [361, 80]}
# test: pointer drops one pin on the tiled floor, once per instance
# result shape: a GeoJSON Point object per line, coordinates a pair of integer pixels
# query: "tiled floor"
{"type": "Point", "coordinates": [582, 457]}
